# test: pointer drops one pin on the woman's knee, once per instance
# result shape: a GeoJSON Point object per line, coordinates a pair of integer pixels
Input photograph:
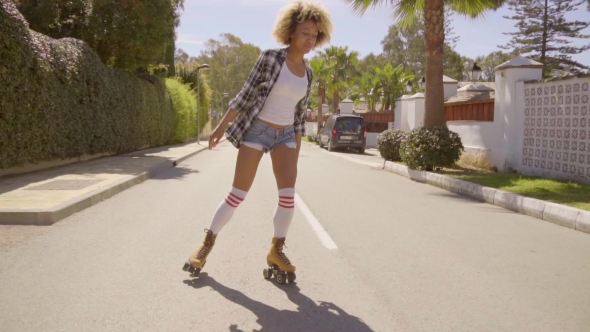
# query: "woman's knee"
{"type": "Point", "coordinates": [286, 178]}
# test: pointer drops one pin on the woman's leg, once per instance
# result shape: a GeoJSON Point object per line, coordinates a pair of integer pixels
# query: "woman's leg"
{"type": "Point", "coordinates": [245, 171]}
{"type": "Point", "coordinates": [284, 162]}
{"type": "Point", "coordinates": [244, 174]}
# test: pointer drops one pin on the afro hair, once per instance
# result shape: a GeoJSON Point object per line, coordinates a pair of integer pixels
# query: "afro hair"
{"type": "Point", "coordinates": [300, 11]}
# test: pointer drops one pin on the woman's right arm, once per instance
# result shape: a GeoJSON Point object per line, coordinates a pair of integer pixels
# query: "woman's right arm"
{"type": "Point", "coordinates": [217, 134]}
{"type": "Point", "coordinates": [228, 117]}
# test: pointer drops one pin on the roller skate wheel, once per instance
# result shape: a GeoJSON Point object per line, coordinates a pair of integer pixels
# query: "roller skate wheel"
{"type": "Point", "coordinates": [195, 272]}
{"type": "Point", "coordinates": [291, 277]}
{"type": "Point", "coordinates": [267, 273]}
{"type": "Point", "coordinates": [281, 278]}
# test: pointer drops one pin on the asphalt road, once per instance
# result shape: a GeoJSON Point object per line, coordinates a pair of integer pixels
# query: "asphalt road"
{"type": "Point", "coordinates": [395, 255]}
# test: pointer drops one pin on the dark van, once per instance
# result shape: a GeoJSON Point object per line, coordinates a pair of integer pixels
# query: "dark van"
{"type": "Point", "coordinates": [344, 131]}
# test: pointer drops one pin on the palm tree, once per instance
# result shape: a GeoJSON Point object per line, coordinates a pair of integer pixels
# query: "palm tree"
{"type": "Point", "coordinates": [341, 66]}
{"type": "Point", "coordinates": [392, 82]}
{"type": "Point", "coordinates": [368, 87]}
{"type": "Point", "coordinates": [433, 13]}
{"type": "Point", "coordinates": [321, 68]}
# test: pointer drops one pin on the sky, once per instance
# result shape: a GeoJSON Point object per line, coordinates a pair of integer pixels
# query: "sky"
{"type": "Point", "coordinates": [252, 22]}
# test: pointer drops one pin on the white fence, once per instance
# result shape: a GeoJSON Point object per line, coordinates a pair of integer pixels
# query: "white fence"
{"type": "Point", "coordinates": [540, 127]}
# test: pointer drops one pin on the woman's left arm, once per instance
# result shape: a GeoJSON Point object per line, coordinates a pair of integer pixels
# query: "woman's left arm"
{"type": "Point", "coordinates": [302, 110]}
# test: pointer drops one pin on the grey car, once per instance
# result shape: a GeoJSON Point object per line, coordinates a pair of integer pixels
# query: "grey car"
{"type": "Point", "coordinates": [344, 131]}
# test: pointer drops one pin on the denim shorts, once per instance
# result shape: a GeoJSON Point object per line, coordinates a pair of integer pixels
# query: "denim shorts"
{"type": "Point", "coordinates": [265, 138]}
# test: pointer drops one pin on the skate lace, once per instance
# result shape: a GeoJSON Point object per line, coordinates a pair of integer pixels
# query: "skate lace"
{"type": "Point", "coordinates": [203, 252]}
{"type": "Point", "coordinates": [207, 245]}
{"type": "Point", "coordinates": [280, 254]}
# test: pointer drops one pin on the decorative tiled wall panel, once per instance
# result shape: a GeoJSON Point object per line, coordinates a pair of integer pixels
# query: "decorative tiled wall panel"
{"type": "Point", "coordinates": [557, 128]}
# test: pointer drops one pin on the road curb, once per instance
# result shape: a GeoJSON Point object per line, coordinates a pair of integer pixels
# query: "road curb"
{"type": "Point", "coordinates": [583, 222]}
{"type": "Point", "coordinates": [47, 217]}
{"type": "Point", "coordinates": [555, 213]}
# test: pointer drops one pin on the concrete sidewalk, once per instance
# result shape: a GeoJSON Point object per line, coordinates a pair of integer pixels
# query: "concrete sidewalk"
{"type": "Point", "coordinates": [45, 197]}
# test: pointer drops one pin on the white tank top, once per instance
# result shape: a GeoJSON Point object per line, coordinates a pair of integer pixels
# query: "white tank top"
{"type": "Point", "coordinates": [287, 91]}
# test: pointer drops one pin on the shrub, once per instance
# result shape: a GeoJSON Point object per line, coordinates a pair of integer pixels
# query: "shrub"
{"type": "Point", "coordinates": [313, 138]}
{"type": "Point", "coordinates": [187, 73]}
{"type": "Point", "coordinates": [389, 143]}
{"type": "Point", "coordinates": [58, 101]}
{"type": "Point", "coordinates": [428, 148]}
{"type": "Point", "coordinates": [184, 104]}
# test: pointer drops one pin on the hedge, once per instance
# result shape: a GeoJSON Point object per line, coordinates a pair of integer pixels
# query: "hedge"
{"type": "Point", "coordinates": [184, 103]}
{"type": "Point", "coordinates": [57, 100]}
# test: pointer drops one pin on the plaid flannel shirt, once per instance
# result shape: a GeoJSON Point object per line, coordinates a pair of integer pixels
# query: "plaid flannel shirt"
{"type": "Point", "coordinates": [250, 100]}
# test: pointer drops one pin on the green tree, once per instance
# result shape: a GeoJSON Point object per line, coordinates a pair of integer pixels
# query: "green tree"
{"type": "Point", "coordinates": [368, 87]}
{"type": "Point", "coordinates": [342, 66]}
{"type": "Point", "coordinates": [405, 45]}
{"type": "Point", "coordinates": [544, 33]}
{"type": "Point", "coordinates": [487, 63]}
{"type": "Point", "coordinates": [392, 83]}
{"type": "Point", "coordinates": [321, 74]}
{"type": "Point", "coordinates": [187, 73]}
{"type": "Point", "coordinates": [57, 19]}
{"type": "Point", "coordinates": [180, 56]}
{"type": "Point", "coordinates": [433, 14]}
{"type": "Point", "coordinates": [231, 61]}
{"type": "Point", "coordinates": [372, 61]}
{"type": "Point", "coordinates": [124, 33]}
{"type": "Point", "coordinates": [454, 67]}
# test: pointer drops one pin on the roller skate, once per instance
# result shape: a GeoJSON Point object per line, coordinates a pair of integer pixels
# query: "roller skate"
{"type": "Point", "coordinates": [278, 264]}
{"type": "Point", "coordinates": [198, 258]}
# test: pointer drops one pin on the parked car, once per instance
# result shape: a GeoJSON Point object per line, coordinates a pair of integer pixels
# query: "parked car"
{"type": "Point", "coordinates": [344, 131]}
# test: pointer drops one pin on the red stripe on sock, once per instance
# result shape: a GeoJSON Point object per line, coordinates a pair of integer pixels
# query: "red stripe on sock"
{"type": "Point", "coordinates": [287, 197]}
{"type": "Point", "coordinates": [231, 199]}
{"type": "Point", "coordinates": [286, 202]}
{"type": "Point", "coordinates": [237, 198]}
{"type": "Point", "coordinates": [287, 206]}
{"type": "Point", "coordinates": [230, 203]}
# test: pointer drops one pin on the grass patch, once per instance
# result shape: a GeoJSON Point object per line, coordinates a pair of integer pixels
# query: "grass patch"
{"type": "Point", "coordinates": [561, 192]}
{"type": "Point", "coordinates": [306, 139]}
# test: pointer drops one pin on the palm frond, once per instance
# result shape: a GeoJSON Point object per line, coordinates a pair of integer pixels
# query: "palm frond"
{"type": "Point", "coordinates": [359, 7]}
{"type": "Point", "coordinates": [474, 8]}
{"type": "Point", "coordinates": [406, 11]}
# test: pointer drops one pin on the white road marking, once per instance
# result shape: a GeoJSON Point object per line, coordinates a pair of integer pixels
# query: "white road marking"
{"type": "Point", "coordinates": [320, 232]}
{"type": "Point", "coordinates": [354, 160]}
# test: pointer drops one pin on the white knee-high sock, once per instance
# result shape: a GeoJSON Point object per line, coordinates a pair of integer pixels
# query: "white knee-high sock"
{"type": "Point", "coordinates": [284, 212]}
{"type": "Point", "coordinates": [226, 209]}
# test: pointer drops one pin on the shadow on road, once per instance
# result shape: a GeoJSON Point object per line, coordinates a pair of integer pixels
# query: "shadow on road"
{"type": "Point", "coordinates": [309, 315]}
{"type": "Point", "coordinates": [178, 172]}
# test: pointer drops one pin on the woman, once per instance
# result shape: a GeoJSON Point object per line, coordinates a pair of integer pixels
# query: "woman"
{"type": "Point", "coordinates": [268, 115]}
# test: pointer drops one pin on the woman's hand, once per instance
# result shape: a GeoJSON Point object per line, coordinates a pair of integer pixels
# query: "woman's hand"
{"type": "Point", "coordinates": [216, 136]}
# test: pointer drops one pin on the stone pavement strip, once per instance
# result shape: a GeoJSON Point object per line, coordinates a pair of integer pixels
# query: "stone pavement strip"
{"type": "Point", "coordinates": [45, 197]}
